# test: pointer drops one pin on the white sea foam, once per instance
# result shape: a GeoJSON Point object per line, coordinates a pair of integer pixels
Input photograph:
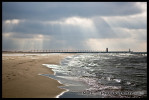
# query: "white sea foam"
{"type": "Point", "coordinates": [62, 93]}
{"type": "Point", "coordinates": [117, 80]}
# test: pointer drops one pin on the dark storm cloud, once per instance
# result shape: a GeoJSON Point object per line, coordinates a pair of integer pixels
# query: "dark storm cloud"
{"type": "Point", "coordinates": [52, 11]}
{"type": "Point", "coordinates": [63, 31]}
{"type": "Point", "coordinates": [25, 27]}
{"type": "Point", "coordinates": [55, 30]}
{"type": "Point", "coordinates": [138, 22]}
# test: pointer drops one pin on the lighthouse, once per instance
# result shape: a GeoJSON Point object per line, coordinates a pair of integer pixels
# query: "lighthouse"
{"type": "Point", "coordinates": [106, 49]}
{"type": "Point", "coordinates": [129, 50]}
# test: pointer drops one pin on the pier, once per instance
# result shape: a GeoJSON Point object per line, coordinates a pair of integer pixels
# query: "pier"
{"type": "Point", "coordinates": [75, 51]}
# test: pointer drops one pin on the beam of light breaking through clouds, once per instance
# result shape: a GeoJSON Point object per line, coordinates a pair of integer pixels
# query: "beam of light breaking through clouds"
{"type": "Point", "coordinates": [84, 25]}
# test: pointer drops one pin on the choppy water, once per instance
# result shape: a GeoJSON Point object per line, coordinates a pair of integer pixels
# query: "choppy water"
{"type": "Point", "coordinates": [102, 75]}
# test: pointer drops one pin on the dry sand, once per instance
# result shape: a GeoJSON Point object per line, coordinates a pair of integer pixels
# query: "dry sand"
{"type": "Point", "coordinates": [20, 77]}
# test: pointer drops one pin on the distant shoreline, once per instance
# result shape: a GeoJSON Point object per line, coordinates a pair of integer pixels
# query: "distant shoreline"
{"type": "Point", "coordinates": [74, 52]}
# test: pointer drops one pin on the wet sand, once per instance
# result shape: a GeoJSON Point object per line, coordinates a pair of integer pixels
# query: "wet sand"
{"type": "Point", "coordinates": [20, 77]}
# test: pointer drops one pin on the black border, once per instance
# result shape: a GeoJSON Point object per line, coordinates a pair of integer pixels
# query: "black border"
{"type": "Point", "coordinates": [72, 1]}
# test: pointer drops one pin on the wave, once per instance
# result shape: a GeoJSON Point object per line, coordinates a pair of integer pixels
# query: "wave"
{"type": "Point", "coordinates": [89, 74]}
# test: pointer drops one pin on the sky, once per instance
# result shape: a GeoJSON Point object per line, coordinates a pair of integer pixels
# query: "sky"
{"type": "Point", "coordinates": [119, 26]}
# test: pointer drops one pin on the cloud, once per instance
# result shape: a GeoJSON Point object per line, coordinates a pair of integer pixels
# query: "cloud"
{"type": "Point", "coordinates": [78, 25]}
{"type": "Point", "coordinates": [23, 36]}
{"type": "Point", "coordinates": [72, 32]}
{"type": "Point", "coordinates": [13, 21]}
{"type": "Point", "coordinates": [69, 27]}
{"type": "Point", "coordinates": [137, 21]}
{"type": "Point", "coordinates": [53, 10]}
{"type": "Point", "coordinates": [22, 41]}
{"type": "Point", "coordinates": [116, 44]}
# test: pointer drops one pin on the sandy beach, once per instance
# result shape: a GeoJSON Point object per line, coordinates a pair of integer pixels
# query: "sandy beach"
{"type": "Point", "coordinates": [20, 77]}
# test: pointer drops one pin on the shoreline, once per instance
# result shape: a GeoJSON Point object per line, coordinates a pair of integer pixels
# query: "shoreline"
{"type": "Point", "coordinates": [60, 94]}
{"type": "Point", "coordinates": [20, 77]}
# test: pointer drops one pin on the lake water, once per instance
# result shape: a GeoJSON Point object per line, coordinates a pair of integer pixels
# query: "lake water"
{"type": "Point", "coordinates": [99, 75]}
